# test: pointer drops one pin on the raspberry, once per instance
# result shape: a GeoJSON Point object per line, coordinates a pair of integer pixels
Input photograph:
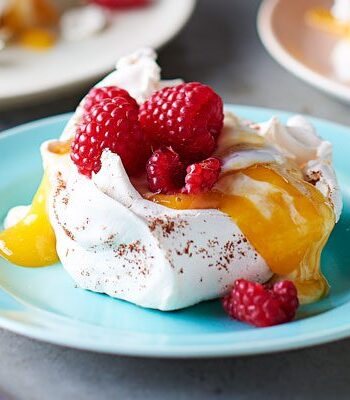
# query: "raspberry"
{"type": "Point", "coordinates": [120, 3]}
{"type": "Point", "coordinates": [97, 94]}
{"type": "Point", "coordinates": [262, 305]}
{"type": "Point", "coordinates": [287, 296]}
{"type": "Point", "coordinates": [112, 124]}
{"type": "Point", "coordinates": [165, 171]}
{"type": "Point", "coordinates": [202, 176]}
{"type": "Point", "coordinates": [188, 117]}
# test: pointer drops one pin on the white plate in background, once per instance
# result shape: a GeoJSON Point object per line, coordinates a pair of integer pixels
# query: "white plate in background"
{"type": "Point", "coordinates": [27, 76]}
{"type": "Point", "coordinates": [301, 49]}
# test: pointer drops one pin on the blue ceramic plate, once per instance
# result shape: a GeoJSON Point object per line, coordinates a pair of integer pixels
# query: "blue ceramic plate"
{"type": "Point", "coordinates": [44, 303]}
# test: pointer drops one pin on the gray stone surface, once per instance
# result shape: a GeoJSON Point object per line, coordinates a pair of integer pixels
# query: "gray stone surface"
{"type": "Point", "coordinates": [219, 46]}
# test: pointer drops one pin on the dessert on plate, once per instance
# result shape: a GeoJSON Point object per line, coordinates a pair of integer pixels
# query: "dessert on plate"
{"type": "Point", "coordinates": [336, 21]}
{"type": "Point", "coordinates": [155, 195]}
{"type": "Point", "coordinates": [39, 24]}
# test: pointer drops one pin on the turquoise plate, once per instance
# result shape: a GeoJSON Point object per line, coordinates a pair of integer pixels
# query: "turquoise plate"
{"type": "Point", "coordinates": [44, 304]}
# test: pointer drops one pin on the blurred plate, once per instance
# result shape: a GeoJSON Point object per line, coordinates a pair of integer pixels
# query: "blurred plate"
{"type": "Point", "coordinates": [44, 303]}
{"type": "Point", "coordinates": [31, 76]}
{"type": "Point", "coordinates": [299, 48]}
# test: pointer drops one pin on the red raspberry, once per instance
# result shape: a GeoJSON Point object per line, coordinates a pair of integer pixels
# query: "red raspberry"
{"type": "Point", "coordinates": [112, 124]}
{"type": "Point", "coordinates": [165, 171]}
{"type": "Point", "coordinates": [287, 296]}
{"type": "Point", "coordinates": [188, 117]}
{"type": "Point", "coordinates": [120, 3]}
{"type": "Point", "coordinates": [202, 176]}
{"type": "Point", "coordinates": [97, 94]}
{"type": "Point", "coordinates": [262, 305]}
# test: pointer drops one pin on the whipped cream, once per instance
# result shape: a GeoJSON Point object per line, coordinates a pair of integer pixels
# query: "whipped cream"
{"type": "Point", "coordinates": [139, 74]}
{"type": "Point", "coordinates": [79, 23]}
{"type": "Point", "coordinates": [341, 10]}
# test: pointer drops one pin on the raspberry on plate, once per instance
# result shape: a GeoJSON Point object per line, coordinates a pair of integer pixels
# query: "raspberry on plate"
{"type": "Point", "coordinates": [188, 117]}
{"type": "Point", "coordinates": [165, 171]}
{"type": "Point", "coordinates": [287, 296]}
{"type": "Point", "coordinates": [113, 124]}
{"type": "Point", "coordinates": [120, 3]}
{"type": "Point", "coordinates": [97, 94]}
{"type": "Point", "coordinates": [202, 176]}
{"type": "Point", "coordinates": [261, 305]}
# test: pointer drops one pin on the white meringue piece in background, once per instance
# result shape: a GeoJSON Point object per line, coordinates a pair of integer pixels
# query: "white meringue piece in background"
{"type": "Point", "coordinates": [340, 60]}
{"type": "Point", "coordinates": [79, 23]}
{"type": "Point", "coordinates": [341, 10]}
{"type": "Point", "coordinates": [340, 55]}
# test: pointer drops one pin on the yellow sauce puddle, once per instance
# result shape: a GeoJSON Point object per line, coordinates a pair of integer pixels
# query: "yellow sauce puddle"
{"type": "Point", "coordinates": [31, 242]}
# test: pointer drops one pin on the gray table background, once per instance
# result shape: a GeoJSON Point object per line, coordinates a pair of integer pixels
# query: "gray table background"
{"type": "Point", "coordinates": [220, 47]}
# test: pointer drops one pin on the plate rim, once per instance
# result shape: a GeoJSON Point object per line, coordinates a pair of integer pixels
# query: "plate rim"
{"type": "Point", "coordinates": [288, 62]}
{"type": "Point", "coordinates": [164, 350]}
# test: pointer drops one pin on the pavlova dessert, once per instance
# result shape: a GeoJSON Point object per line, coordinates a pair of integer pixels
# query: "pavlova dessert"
{"type": "Point", "coordinates": [155, 195]}
{"type": "Point", "coordinates": [336, 21]}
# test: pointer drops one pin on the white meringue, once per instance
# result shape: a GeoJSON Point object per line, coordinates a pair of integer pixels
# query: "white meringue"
{"type": "Point", "coordinates": [340, 59]}
{"type": "Point", "coordinates": [139, 74]}
{"type": "Point", "coordinates": [341, 10]}
{"type": "Point", "coordinates": [297, 140]}
{"type": "Point", "coordinates": [340, 55]}
{"type": "Point", "coordinates": [111, 240]}
{"type": "Point", "coordinates": [79, 23]}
